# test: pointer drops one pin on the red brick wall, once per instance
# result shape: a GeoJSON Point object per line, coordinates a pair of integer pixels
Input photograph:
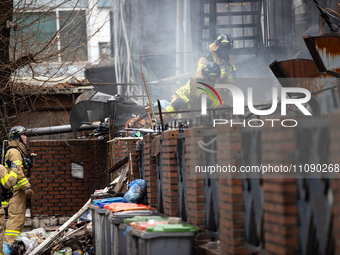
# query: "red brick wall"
{"type": "Point", "coordinates": [120, 147]}
{"type": "Point", "coordinates": [150, 174]}
{"type": "Point", "coordinates": [56, 192]}
{"type": "Point", "coordinates": [280, 203]}
{"type": "Point", "coordinates": [231, 224]}
{"type": "Point", "coordinates": [195, 186]}
{"type": "Point", "coordinates": [118, 150]}
{"type": "Point", "coordinates": [170, 176]}
{"type": "Point", "coordinates": [131, 148]}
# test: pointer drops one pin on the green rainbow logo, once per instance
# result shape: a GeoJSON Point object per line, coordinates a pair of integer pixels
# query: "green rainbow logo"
{"type": "Point", "coordinates": [209, 93]}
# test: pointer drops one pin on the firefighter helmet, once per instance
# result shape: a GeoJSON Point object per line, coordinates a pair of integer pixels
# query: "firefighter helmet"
{"type": "Point", "coordinates": [211, 69]}
{"type": "Point", "coordinates": [225, 40]}
{"type": "Point", "coordinates": [16, 132]}
{"type": "Point", "coordinates": [224, 44]}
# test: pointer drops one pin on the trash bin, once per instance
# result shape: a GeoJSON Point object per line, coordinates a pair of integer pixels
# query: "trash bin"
{"type": "Point", "coordinates": [118, 227]}
{"type": "Point", "coordinates": [165, 239]}
{"type": "Point", "coordinates": [132, 241]}
{"type": "Point", "coordinates": [101, 227]}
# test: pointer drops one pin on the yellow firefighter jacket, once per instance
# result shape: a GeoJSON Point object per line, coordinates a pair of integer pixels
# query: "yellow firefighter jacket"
{"type": "Point", "coordinates": [8, 180]}
{"type": "Point", "coordinates": [14, 155]}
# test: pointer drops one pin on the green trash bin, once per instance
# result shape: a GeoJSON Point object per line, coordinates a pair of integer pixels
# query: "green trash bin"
{"type": "Point", "coordinates": [132, 241]}
{"type": "Point", "coordinates": [165, 239]}
{"type": "Point", "coordinates": [118, 227]}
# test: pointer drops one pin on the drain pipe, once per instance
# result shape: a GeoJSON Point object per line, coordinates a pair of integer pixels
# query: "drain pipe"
{"type": "Point", "coordinates": [52, 130]}
{"type": "Point", "coordinates": [302, 20]}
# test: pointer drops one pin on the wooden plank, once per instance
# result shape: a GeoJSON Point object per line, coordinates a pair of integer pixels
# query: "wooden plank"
{"type": "Point", "coordinates": [40, 248]}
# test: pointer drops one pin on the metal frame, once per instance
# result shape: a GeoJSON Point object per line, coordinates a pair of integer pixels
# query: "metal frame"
{"type": "Point", "coordinates": [181, 173]}
{"type": "Point", "coordinates": [213, 27]}
{"type": "Point", "coordinates": [140, 161]}
{"type": "Point", "coordinates": [211, 201]}
{"type": "Point", "coordinates": [159, 180]}
{"type": "Point", "coordinates": [314, 194]}
{"type": "Point", "coordinates": [252, 190]}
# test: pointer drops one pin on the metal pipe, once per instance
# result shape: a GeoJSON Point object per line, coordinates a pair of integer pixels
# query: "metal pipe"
{"type": "Point", "coordinates": [150, 102]}
{"type": "Point", "coordinates": [302, 20]}
{"type": "Point", "coordinates": [140, 129]}
{"type": "Point", "coordinates": [170, 79]}
{"type": "Point", "coordinates": [334, 98]}
{"type": "Point", "coordinates": [3, 151]}
{"type": "Point", "coordinates": [160, 112]}
{"type": "Point", "coordinates": [59, 129]}
{"type": "Point", "coordinates": [178, 35]}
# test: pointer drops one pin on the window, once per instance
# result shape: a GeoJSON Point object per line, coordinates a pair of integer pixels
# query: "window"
{"type": "Point", "coordinates": [38, 33]}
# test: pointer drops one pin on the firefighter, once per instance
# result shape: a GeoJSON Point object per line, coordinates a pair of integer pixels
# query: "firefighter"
{"type": "Point", "coordinates": [219, 53]}
{"type": "Point", "coordinates": [16, 152]}
{"type": "Point", "coordinates": [187, 96]}
{"type": "Point", "coordinates": [8, 180]}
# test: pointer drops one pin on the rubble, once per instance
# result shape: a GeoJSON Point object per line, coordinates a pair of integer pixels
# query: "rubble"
{"type": "Point", "coordinates": [75, 236]}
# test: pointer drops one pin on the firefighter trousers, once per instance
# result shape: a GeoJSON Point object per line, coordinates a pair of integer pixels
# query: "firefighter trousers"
{"type": "Point", "coordinates": [2, 227]}
{"type": "Point", "coordinates": [16, 216]}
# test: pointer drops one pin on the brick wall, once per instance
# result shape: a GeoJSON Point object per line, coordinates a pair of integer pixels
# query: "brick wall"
{"type": "Point", "coordinates": [280, 208]}
{"type": "Point", "coordinates": [131, 148]}
{"type": "Point", "coordinates": [56, 191]}
{"type": "Point", "coordinates": [170, 176]}
{"type": "Point", "coordinates": [280, 203]}
{"type": "Point", "coordinates": [121, 147]}
{"type": "Point", "coordinates": [195, 186]}
{"type": "Point", "coordinates": [150, 174]}
{"type": "Point", "coordinates": [230, 192]}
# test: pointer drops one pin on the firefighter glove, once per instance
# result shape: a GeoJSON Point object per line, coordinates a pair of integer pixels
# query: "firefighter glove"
{"type": "Point", "coordinates": [29, 193]}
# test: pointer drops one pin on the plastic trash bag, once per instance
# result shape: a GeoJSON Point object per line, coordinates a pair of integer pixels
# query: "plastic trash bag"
{"type": "Point", "coordinates": [105, 201]}
{"type": "Point", "coordinates": [136, 192]}
{"type": "Point", "coordinates": [6, 249]}
{"type": "Point", "coordinates": [86, 216]}
{"type": "Point", "coordinates": [30, 244]}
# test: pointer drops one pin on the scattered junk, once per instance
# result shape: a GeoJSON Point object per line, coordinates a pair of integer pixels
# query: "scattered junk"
{"type": "Point", "coordinates": [96, 106]}
{"type": "Point", "coordinates": [113, 221]}
{"type": "Point", "coordinates": [81, 233]}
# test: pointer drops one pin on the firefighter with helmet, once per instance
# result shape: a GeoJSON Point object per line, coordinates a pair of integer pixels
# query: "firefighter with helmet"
{"type": "Point", "coordinates": [219, 53]}
{"type": "Point", "coordinates": [187, 96]}
{"type": "Point", "coordinates": [16, 153]}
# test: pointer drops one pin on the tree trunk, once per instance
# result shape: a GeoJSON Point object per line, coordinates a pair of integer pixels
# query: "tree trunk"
{"type": "Point", "coordinates": [6, 14]}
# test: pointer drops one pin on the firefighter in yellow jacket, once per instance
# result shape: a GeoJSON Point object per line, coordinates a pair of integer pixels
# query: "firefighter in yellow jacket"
{"type": "Point", "coordinates": [216, 66]}
{"type": "Point", "coordinates": [219, 53]}
{"type": "Point", "coordinates": [8, 180]}
{"type": "Point", "coordinates": [16, 153]}
{"type": "Point", "coordinates": [187, 96]}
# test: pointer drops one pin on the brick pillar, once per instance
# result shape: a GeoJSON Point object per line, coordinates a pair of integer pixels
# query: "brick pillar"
{"type": "Point", "coordinates": [131, 148]}
{"type": "Point", "coordinates": [334, 130]}
{"type": "Point", "coordinates": [280, 203]}
{"type": "Point", "coordinates": [120, 148]}
{"type": "Point", "coordinates": [150, 175]}
{"type": "Point", "coordinates": [170, 176]}
{"type": "Point", "coordinates": [195, 186]}
{"type": "Point", "coordinates": [231, 224]}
